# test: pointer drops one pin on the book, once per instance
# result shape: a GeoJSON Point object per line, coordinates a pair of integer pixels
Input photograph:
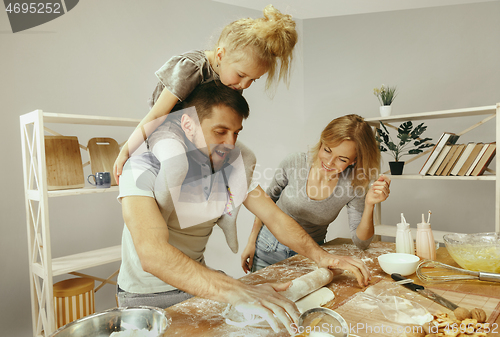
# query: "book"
{"type": "Point", "coordinates": [446, 138]}
{"type": "Point", "coordinates": [485, 160]}
{"type": "Point", "coordinates": [459, 149]}
{"type": "Point", "coordinates": [446, 159]}
{"type": "Point", "coordinates": [478, 157]}
{"type": "Point", "coordinates": [439, 160]}
{"type": "Point", "coordinates": [463, 157]}
{"type": "Point", "coordinates": [472, 156]}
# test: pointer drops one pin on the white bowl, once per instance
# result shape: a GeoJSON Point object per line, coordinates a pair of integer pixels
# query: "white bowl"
{"type": "Point", "coordinates": [404, 264]}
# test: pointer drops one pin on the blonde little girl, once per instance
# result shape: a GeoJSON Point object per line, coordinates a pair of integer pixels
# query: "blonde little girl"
{"type": "Point", "coordinates": [246, 50]}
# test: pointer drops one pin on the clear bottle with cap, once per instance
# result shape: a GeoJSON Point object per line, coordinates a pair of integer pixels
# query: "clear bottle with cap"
{"type": "Point", "coordinates": [426, 247]}
{"type": "Point", "coordinates": [404, 240]}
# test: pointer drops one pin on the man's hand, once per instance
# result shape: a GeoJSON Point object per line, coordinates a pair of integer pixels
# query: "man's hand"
{"type": "Point", "coordinates": [352, 264]}
{"type": "Point", "coordinates": [264, 300]}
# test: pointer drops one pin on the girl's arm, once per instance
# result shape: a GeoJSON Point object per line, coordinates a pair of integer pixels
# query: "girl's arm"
{"type": "Point", "coordinates": [249, 251]}
{"type": "Point", "coordinates": [165, 103]}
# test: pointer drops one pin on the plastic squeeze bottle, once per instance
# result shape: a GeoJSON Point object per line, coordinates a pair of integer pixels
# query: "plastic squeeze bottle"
{"type": "Point", "coordinates": [426, 248]}
{"type": "Point", "coordinates": [404, 240]}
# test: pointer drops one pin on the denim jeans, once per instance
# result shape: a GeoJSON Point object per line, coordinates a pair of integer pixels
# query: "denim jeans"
{"type": "Point", "coordinates": [160, 300]}
{"type": "Point", "coordinates": [268, 250]}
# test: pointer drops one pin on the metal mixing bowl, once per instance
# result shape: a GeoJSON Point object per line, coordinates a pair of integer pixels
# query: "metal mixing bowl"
{"type": "Point", "coordinates": [322, 322]}
{"type": "Point", "coordinates": [102, 324]}
{"type": "Point", "coordinates": [476, 252]}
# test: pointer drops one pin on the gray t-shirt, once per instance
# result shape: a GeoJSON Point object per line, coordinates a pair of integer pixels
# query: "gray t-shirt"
{"type": "Point", "coordinates": [288, 191]}
{"type": "Point", "coordinates": [182, 73]}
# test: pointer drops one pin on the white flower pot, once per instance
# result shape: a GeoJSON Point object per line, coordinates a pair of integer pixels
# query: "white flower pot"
{"type": "Point", "coordinates": [385, 110]}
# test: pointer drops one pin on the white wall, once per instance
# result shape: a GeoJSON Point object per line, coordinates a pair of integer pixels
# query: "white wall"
{"type": "Point", "coordinates": [439, 58]}
{"type": "Point", "coordinates": [100, 58]}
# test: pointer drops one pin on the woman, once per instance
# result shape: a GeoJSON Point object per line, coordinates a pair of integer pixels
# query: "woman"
{"type": "Point", "coordinates": [313, 188]}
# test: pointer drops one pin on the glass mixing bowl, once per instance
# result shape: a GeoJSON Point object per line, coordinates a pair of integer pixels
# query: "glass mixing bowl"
{"type": "Point", "coordinates": [476, 252]}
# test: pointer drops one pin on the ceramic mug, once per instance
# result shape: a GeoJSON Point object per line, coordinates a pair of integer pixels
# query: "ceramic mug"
{"type": "Point", "coordinates": [102, 179]}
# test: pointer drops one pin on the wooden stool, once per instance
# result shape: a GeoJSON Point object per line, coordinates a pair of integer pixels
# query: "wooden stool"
{"type": "Point", "coordinates": [73, 299]}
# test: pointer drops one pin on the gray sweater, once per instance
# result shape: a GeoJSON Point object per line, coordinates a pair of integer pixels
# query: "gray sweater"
{"type": "Point", "coordinates": [288, 191]}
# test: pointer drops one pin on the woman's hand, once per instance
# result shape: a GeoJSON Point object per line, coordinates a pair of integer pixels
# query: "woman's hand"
{"type": "Point", "coordinates": [247, 257]}
{"type": "Point", "coordinates": [336, 263]}
{"type": "Point", "coordinates": [379, 191]}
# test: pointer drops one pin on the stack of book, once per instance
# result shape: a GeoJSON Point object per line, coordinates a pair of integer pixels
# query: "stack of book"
{"type": "Point", "coordinates": [450, 159]}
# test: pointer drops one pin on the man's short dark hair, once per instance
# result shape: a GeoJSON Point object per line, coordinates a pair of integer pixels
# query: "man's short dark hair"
{"type": "Point", "coordinates": [206, 96]}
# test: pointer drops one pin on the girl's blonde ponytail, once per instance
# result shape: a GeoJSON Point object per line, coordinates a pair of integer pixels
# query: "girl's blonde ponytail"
{"type": "Point", "coordinates": [272, 39]}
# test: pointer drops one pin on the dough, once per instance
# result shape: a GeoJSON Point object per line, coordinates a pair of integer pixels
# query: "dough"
{"type": "Point", "coordinates": [307, 284]}
{"type": "Point", "coordinates": [315, 299]}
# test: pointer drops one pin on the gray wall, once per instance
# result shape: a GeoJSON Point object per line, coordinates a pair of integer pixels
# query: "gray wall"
{"type": "Point", "coordinates": [440, 58]}
{"type": "Point", "coordinates": [100, 58]}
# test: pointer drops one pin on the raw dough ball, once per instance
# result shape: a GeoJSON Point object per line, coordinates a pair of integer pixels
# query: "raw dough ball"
{"type": "Point", "coordinates": [315, 299]}
{"type": "Point", "coordinates": [462, 313]}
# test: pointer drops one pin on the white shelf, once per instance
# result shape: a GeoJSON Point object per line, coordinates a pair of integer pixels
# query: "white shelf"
{"type": "Point", "coordinates": [485, 110]}
{"type": "Point", "coordinates": [50, 117]}
{"type": "Point", "coordinates": [43, 267]}
{"type": "Point", "coordinates": [35, 194]}
{"type": "Point", "coordinates": [93, 258]}
{"type": "Point", "coordinates": [491, 110]}
{"type": "Point", "coordinates": [81, 191]}
{"type": "Point", "coordinates": [489, 177]}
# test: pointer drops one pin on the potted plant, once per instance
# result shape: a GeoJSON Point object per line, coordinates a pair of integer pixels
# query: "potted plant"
{"type": "Point", "coordinates": [386, 96]}
{"type": "Point", "coordinates": [409, 143]}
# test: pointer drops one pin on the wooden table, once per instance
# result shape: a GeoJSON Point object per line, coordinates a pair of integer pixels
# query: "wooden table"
{"type": "Point", "coordinates": [201, 317]}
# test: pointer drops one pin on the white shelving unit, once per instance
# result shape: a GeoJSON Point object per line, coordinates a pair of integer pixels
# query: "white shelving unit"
{"type": "Point", "coordinates": [491, 112]}
{"type": "Point", "coordinates": [42, 267]}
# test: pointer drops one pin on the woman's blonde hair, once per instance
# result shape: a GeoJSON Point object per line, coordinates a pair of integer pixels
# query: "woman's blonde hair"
{"type": "Point", "coordinates": [271, 38]}
{"type": "Point", "coordinates": [354, 128]}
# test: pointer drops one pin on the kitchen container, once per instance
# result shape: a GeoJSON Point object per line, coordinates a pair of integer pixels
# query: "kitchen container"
{"type": "Point", "coordinates": [150, 321]}
{"type": "Point", "coordinates": [404, 240]}
{"type": "Point", "coordinates": [476, 252]}
{"type": "Point", "coordinates": [404, 264]}
{"type": "Point", "coordinates": [426, 247]}
{"type": "Point", "coordinates": [322, 322]}
{"type": "Point", "coordinates": [73, 299]}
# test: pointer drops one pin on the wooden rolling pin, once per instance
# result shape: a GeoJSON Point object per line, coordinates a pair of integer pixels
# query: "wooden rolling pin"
{"type": "Point", "coordinates": [308, 283]}
{"type": "Point", "coordinates": [299, 288]}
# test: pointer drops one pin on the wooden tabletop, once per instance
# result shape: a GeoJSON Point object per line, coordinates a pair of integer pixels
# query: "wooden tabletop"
{"type": "Point", "coordinates": [201, 317]}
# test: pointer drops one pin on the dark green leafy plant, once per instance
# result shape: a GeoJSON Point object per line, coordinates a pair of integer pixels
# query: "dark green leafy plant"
{"type": "Point", "coordinates": [409, 140]}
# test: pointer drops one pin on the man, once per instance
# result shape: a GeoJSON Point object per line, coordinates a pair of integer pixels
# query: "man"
{"type": "Point", "coordinates": [162, 256]}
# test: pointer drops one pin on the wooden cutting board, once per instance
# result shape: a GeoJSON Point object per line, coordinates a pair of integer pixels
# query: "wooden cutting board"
{"type": "Point", "coordinates": [103, 153]}
{"type": "Point", "coordinates": [63, 162]}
